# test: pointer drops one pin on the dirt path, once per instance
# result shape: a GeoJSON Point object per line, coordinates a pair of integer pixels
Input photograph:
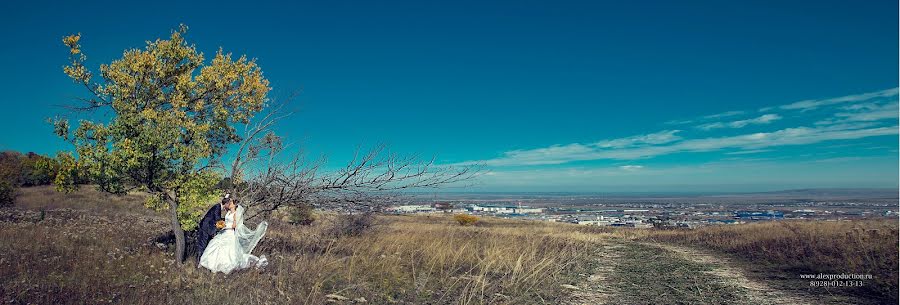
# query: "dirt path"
{"type": "Point", "coordinates": [649, 273]}
{"type": "Point", "coordinates": [598, 289]}
{"type": "Point", "coordinates": [758, 292]}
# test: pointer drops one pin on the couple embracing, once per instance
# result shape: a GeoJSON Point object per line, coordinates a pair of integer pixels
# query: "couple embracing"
{"type": "Point", "coordinates": [224, 242]}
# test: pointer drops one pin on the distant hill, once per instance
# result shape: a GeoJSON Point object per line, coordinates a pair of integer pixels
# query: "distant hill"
{"type": "Point", "coordinates": [819, 193]}
{"type": "Point", "coordinates": [836, 193]}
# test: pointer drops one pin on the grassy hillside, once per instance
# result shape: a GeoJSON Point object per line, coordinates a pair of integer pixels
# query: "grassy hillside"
{"type": "Point", "coordinates": [88, 247]}
{"type": "Point", "coordinates": [95, 249]}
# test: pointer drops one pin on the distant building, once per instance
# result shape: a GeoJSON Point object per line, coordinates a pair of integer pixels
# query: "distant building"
{"type": "Point", "coordinates": [528, 210]}
{"type": "Point", "coordinates": [685, 224]}
{"type": "Point", "coordinates": [504, 209]}
{"type": "Point", "coordinates": [417, 208]}
{"type": "Point", "coordinates": [723, 221]}
{"type": "Point", "coordinates": [759, 215]}
{"type": "Point", "coordinates": [445, 207]}
{"type": "Point", "coordinates": [635, 224]}
{"type": "Point", "coordinates": [594, 222]}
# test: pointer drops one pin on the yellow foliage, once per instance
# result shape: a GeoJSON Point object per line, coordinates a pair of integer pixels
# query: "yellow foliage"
{"type": "Point", "coordinates": [465, 220]}
{"type": "Point", "coordinates": [173, 113]}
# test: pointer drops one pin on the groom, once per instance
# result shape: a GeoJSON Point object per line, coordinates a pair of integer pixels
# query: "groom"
{"type": "Point", "coordinates": [207, 229]}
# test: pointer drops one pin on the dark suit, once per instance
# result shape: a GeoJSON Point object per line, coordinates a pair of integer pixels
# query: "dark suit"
{"type": "Point", "coordinates": [207, 229]}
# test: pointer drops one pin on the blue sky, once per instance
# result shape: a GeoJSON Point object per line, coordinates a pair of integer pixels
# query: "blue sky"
{"type": "Point", "coordinates": [552, 96]}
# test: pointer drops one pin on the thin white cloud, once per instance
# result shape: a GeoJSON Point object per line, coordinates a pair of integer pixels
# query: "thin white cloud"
{"type": "Point", "coordinates": [872, 113]}
{"type": "Point", "coordinates": [747, 152]}
{"type": "Point", "coordinates": [862, 106]}
{"type": "Point", "coordinates": [813, 104]}
{"type": "Point", "coordinates": [679, 122]}
{"type": "Point", "coordinates": [804, 105]}
{"type": "Point", "coordinates": [867, 116]}
{"type": "Point", "coordinates": [838, 159]}
{"type": "Point", "coordinates": [864, 112]}
{"type": "Point", "coordinates": [560, 154]}
{"type": "Point", "coordinates": [710, 176]}
{"type": "Point", "coordinates": [631, 167]}
{"type": "Point", "coordinates": [661, 137]}
{"type": "Point", "coordinates": [724, 114]}
{"type": "Point", "coordinates": [763, 119]}
{"type": "Point", "coordinates": [555, 154]}
{"type": "Point", "coordinates": [707, 117]}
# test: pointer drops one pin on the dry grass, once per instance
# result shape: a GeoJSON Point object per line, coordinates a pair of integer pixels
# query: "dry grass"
{"type": "Point", "coordinates": [677, 280]}
{"type": "Point", "coordinates": [86, 199]}
{"type": "Point", "coordinates": [807, 247]}
{"type": "Point", "coordinates": [433, 260]}
{"type": "Point", "coordinates": [91, 249]}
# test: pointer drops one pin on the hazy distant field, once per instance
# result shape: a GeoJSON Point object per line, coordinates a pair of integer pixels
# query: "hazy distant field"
{"type": "Point", "coordinates": [874, 194]}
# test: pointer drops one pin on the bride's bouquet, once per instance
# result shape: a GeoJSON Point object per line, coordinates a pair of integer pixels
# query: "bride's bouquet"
{"type": "Point", "coordinates": [220, 224]}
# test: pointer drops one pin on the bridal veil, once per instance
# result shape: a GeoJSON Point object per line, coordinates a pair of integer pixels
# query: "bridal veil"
{"type": "Point", "coordinates": [246, 237]}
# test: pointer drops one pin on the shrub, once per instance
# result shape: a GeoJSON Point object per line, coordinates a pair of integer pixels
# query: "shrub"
{"type": "Point", "coordinates": [27, 169]}
{"type": "Point", "coordinates": [351, 224]}
{"type": "Point", "coordinates": [465, 220]}
{"type": "Point", "coordinates": [302, 215]}
{"type": "Point", "coordinates": [7, 193]}
{"type": "Point", "coordinates": [39, 170]}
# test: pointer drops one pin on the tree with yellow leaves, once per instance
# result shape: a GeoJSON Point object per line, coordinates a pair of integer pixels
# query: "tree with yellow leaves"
{"type": "Point", "coordinates": [174, 117]}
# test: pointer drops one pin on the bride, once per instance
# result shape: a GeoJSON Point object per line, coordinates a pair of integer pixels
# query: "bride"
{"type": "Point", "coordinates": [230, 249]}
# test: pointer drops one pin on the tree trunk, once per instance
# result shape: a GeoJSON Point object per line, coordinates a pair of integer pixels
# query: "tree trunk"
{"type": "Point", "coordinates": [179, 233]}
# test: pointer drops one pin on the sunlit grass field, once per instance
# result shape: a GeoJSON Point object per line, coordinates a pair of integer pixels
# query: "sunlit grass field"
{"type": "Point", "coordinates": [84, 250]}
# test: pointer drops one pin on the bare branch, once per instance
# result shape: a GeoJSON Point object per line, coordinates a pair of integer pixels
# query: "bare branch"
{"type": "Point", "coordinates": [370, 180]}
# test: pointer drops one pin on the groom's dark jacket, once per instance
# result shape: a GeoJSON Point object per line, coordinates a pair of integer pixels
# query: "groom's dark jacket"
{"type": "Point", "coordinates": [207, 229]}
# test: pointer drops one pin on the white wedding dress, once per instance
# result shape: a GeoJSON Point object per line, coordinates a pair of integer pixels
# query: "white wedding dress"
{"type": "Point", "coordinates": [230, 249]}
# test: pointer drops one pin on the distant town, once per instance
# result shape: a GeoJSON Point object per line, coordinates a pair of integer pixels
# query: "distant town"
{"type": "Point", "coordinates": [662, 211]}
